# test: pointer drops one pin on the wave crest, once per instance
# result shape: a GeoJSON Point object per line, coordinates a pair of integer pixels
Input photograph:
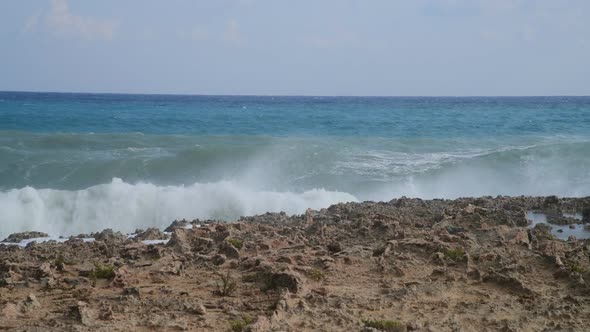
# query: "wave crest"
{"type": "Point", "coordinates": [125, 207]}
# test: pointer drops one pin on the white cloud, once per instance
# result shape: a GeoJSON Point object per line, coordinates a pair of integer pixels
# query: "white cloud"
{"type": "Point", "coordinates": [60, 20]}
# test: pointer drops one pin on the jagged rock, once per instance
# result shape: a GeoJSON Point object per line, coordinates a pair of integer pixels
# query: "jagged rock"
{"type": "Point", "coordinates": [221, 233]}
{"type": "Point", "coordinates": [334, 247]}
{"type": "Point", "coordinates": [122, 276]}
{"type": "Point", "coordinates": [10, 311]}
{"type": "Point", "coordinates": [252, 262]}
{"type": "Point", "coordinates": [132, 291]}
{"type": "Point", "coordinates": [286, 279]}
{"type": "Point", "coordinates": [262, 324]}
{"type": "Point", "coordinates": [285, 259]}
{"type": "Point", "coordinates": [18, 237]}
{"type": "Point", "coordinates": [82, 313]}
{"type": "Point", "coordinates": [229, 250]}
{"type": "Point", "coordinates": [218, 259]}
{"type": "Point", "coordinates": [508, 278]}
{"type": "Point", "coordinates": [133, 250]}
{"type": "Point", "coordinates": [176, 224]}
{"type": "Point", "coordinates": [195, 308]}
{"type": "Point", "coordinates": [188, 240]}
{"type": "Point", "coordinates": [109, 236]}
{"type": "Point", "coordinates": [29, 304]}
{"type": "Point", "coordinates": [151, 234]}
{"type": "Point", "coordinates": [512, 281]}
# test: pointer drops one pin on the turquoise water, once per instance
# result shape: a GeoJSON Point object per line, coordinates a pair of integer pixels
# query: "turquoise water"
{"type": "Point", "coordinates": [79, 162]}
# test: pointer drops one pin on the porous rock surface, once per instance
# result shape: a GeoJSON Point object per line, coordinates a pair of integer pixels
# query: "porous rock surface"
{"type": "Point", "coordinates": [469, 264]}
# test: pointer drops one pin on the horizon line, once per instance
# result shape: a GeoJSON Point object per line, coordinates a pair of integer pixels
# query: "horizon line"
{"type": "Point", "coordinates": [284, 95]}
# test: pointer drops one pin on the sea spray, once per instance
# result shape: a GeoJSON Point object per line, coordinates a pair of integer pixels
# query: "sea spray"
{"type": "Point", "coordinates": [125, 207]}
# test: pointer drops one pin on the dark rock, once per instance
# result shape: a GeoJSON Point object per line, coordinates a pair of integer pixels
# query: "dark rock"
{"type": "Point", "coordinates": [109, 236]}
{"type": "Point", "coordinates": [151, 234]}
{"type": "Point", "coordinates": [455, 230]}
{"type": "Point", "coordinates": [229, 250]}
{"type": "Point", "coordinates": [82, 313]}
{"type": "Point", "coordinates": [176, 224]}
{"type": "Point", "coordinates": [551, 201]}
{"type": "Point", "coordinates": [131, 291]}
{"type": "Point", "coordinates": [18, 237]}
{"type": "Point", "coordinates": [218, 259]}
{"type": "Point", "coordinates": [286, 279]}
{"type": "Point", "coordinates": [334, 247]}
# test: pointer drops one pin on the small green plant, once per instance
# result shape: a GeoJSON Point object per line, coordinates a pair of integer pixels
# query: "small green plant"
{"type": "Point", "coordinates": [236, 243]}
{"type": "Point", "coordinates": [316, 275]}
{"type": "Point", "coordinates": [102, 271]}
{"type": "Point", "coordinates": [59, 262]}
{"type": "Point", "coordinates": [226, 285]}
{"type": "Point", "coordinates": [456, 254]}
{"type": "Point", "coordinates": [386, 325]}
{"type": "Point", "coordinates": [576, 267]}
{"type": "Point", "coordinates": [239, 325]}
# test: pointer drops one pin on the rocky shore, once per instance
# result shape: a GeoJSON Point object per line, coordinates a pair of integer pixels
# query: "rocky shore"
{"type": "Point", "coordinates": [472, 264]}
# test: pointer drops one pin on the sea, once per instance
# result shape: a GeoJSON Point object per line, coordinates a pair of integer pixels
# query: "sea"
{"type": "Point", "coordinates": [75, 163]}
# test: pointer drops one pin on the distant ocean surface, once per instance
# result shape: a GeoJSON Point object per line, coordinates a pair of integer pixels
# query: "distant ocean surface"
{"type": "Point", "coordinates": [72, 163]}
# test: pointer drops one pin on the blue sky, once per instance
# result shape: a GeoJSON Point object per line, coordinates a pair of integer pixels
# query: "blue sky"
{"type": "Point", "coordinates": [303, 47]}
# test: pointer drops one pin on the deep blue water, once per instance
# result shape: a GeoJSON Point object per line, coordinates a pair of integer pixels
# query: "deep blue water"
{"type": "Point", "coordinates": [399, 117]}
{"type": "Point", "coordinates": [72, 162]}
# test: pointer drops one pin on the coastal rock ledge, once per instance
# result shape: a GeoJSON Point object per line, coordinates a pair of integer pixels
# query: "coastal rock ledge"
{"type": "Point", "coordinates": [470, 264]}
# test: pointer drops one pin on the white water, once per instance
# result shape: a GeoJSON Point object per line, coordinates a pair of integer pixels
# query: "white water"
{"type": "Point", "coordinates": [126, 207]}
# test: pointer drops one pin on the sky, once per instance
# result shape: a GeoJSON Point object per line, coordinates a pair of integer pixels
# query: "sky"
{"type": "Point", "coordinates": [302, 47]}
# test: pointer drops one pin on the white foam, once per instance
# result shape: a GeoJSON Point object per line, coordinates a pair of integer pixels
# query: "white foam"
{"type": "Point", "coordinates": [126, 207]}
{"type": "Point", "coordinates": [155, 241]}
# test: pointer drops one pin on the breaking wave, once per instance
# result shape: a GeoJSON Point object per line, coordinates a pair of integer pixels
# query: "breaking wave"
{"type": "Point", "coordinates": [125, 207]}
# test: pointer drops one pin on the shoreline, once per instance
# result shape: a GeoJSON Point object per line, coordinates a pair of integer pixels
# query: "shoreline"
{"type": "Point", "coordinates": [403, 265]}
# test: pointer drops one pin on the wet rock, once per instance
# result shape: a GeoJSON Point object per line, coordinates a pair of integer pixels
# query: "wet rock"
{"type": "Point", "coordinates": [151, 234]}
{"type": "Point", "coordinates": [18, 237]}
{"type": "Point", "coordinates": [176, 224]}
{"type": "Point", "coordinates": [560, 220]}
{"type": "Point", "coordinates": [542, 231]}
{"type": "Point", "coordinates": [109, 236]}
{"type": "Point", "coordinates": [551, 201]}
